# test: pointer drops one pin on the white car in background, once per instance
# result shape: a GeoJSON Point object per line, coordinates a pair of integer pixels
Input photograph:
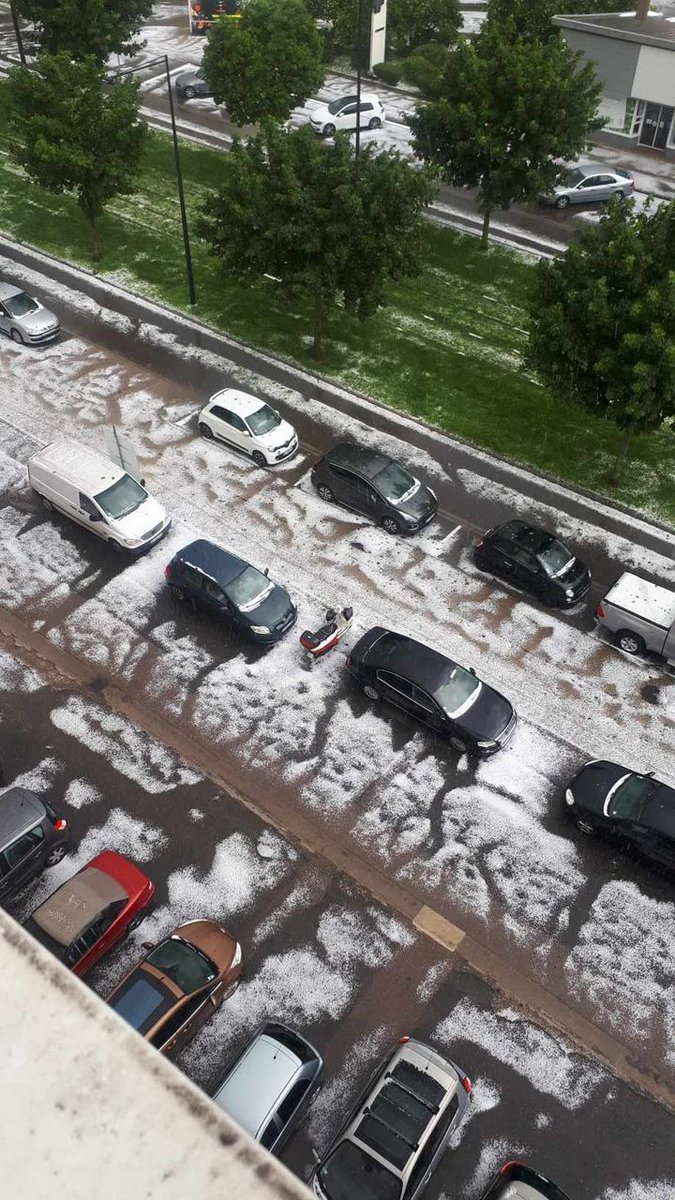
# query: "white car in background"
{"type": "Point", "coordinates": [341, 114]}
{"type": "Point", "coordinates": [248, 424]}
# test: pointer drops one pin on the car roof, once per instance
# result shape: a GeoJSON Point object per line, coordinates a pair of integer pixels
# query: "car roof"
{"type": "Point", "coordinates": [7, 290]}
{"type": "Point", "coordinates": [415, 661]}
{"type": "Point", "coordinates": [20, 810]}
{"type": "Point", "coordinates": [81, 465]}
{"type": "Point", "coordinates": [531, 536]}
{"type": "Point", "coordinates": [212, 560]}
{"type": "Point", "coordinates": [592, 168]}
{"type": "Point", "coordinates": [241, 403]}
{"type": "Point", "coordinates": [258, 1081]}
{"type": "Point", "coordinates": [78, 902]}
{"type": "Point", "coordinates": [362, 459]}
{"type": "Point", "coordinates": [659, 811]}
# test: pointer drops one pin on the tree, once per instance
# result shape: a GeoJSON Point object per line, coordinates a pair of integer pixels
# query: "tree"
{"type": "Point", "coordinates": [603, 322]}
{"type": "Point", "coordinates": [412, 23]}
{"type": "Point", "coordinates": [342, 18]}
{"type": "Point", "coordinates": [266, 63]}
{"type": "Point", "coordinates": [76, 134]}
{"type": "Point", "coordinates": [326, 227]}
{"type": "Point", "coordinates": [508, 109]}
{"type": "Point", "coordinates": [84, 28]}
{"type": "Point", "coordinates": [533, 18]}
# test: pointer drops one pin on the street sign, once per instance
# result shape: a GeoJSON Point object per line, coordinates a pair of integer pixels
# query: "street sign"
{"type": "Point", "coordinates": [122, 450]}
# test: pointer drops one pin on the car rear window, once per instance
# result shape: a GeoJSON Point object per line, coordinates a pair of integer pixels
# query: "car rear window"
{"type": "Point", "coordinates": [142, 1002]}
{"type": "Point", "coordinates": [350, 1172]}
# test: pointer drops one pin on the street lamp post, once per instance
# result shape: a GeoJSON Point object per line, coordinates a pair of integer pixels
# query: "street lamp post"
{"type": "Point", "coordinates": [359, 51]}
{"type": "Point", "coordinates": [17, 33]}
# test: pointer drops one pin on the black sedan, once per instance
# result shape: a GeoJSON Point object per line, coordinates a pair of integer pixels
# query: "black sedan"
{"type": "Point", "coordinates": [427, 685]}
{"type": "Point", "coordinates": [377, 486]}
{"type": "Point", "coordinates": [535, 561]}
{"type": "Point", "coordinates": [533, 1186]}
{"type": "Point", "coordinates": [607, 798]}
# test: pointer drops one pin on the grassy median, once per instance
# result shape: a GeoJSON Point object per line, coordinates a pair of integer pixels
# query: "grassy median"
{"type": "Point", "coordinates": [447, 349]}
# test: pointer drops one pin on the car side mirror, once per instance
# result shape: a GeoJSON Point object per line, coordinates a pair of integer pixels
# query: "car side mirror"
{"type": "Point", "coordinates": [650, 774]}
{"type": "Point", "coordinates": [266, 571]}
{"type": "Point", "coordinates": [142, 483]}
{"type": "Point", "coordinates": [471, 671]}
{"type": "Point", "coordinates": [315, 1154]}
{"type": "Point", "coordinates": [147, 945]}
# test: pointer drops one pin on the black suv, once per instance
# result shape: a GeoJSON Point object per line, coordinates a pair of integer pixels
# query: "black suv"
{"type": "Point", "coordinates": [535, 561]}
{"type": "Point", "coordinates": [376, 486]}
{"type": "Point", "coordinates": [32, 837]}
{"type": "Point", "coordinates": [231, 590]}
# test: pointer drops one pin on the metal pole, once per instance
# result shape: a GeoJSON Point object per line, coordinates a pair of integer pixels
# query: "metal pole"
{"type": "Point", "coordinates": [359, 48]}
{"type": "Point", "coordinates": [17, 33]}
{"type": "Point", "coordinates": [181, 194]}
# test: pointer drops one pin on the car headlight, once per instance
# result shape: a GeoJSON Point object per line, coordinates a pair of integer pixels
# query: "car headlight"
{"type": "Point", "coordinates": [236, 957]}
{"type": "Point", "coordinates": [569, 797]}
{"type": "Point", "coordinates": [259, 629]}
{"type": "Point", "coordinates": [569, 592]}
{"type": "Point", "coordinates": [489, 745]}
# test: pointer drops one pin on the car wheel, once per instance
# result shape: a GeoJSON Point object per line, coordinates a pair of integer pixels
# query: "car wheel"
{"type": "Point", "coordinates": [328, 130]}
{"type": "Point", "coordinates": [562, 202]}
{"type": "Point", "coordinates": [374, 123]}
{"type": "Point", "coordinates": [458, 744]}
{"type": "Point", "coordinates": [630, 642]}
{"type": "Point", "coordinates": [137, 919]}
{"type": "Point", "coordinates": [259, 458]}
{"type": "Point", "coordinates": [17, 336]}
{"type": "Point", "coordinates": [586, 827]}
{"type": "Point", "coordinates": [390, 525]}
{"type": "Point", "coordinates": [188, 93]}
{"type": "Point", "coordinates": [371, 692]}
{"type": "Point", "coordinates": [619, 195]}
{"type": "Point", "coordinates": [46, 504]}
{"type": "Point", "coordinates": [178, 594]}
{"type": "Point", "coordinates": [325, 493]}
{"type": "Point", "coordinates": [115, 545]}
{"type": "Point", "coordinates": [205, 430]}
{"type": "Point", "coordinates": [56, 855]}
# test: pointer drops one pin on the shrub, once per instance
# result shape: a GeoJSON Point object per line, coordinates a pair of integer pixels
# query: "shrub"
{"type": "Point", "coordinates": [422, 74]}
{"type": "Point", "coordinates": [389, 72]}
{"type": "Point", "coordinates": [433, 52]}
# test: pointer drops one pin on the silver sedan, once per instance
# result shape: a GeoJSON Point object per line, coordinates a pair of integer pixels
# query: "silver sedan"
{"type": "Point", "coordinates": [588, 182]}
{"type": "Point", "coordinates": [24, 319]}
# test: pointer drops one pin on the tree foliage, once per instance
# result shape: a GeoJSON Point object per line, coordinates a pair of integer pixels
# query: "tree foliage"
{"type": "Point", "coordinates": [266, 63]}
{"type": "Point", "coordinates": [603, 321]}
{"type": "Point", "coordinates": [533, 18]}
{"type": "Point", "coordinates": [412, 23]}
{"type": "Point", "coordinates": [75, 133]}
{"type": "Point", "coordinates": [83, 28]}
{"type": "Point", "coordinates": [342, 18]}
{"type": "Point", "coordinates": [507, 109]}
{"type": "Point", "coordinates": [328, 228]}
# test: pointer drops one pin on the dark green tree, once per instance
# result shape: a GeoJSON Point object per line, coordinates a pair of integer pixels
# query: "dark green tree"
{"type": "Point", "coordinates": [266, 63]}
{"type": "Point", "coordinates": [76, 134]}
{"type": "Point", "coordinates": [412, 23]}
{"type": "Point", "coordinates": [508, 108]}
{"type": "Point", "coordinates": [83, 28]}
{"type": "Point", "coordinates": [342, 18]}
{"type": "Point", "coordinates": [329, 229]}
{"type": "Point", "coordinates": [603, 322]}
{"type": "Point", "coordinates": [532, 18]}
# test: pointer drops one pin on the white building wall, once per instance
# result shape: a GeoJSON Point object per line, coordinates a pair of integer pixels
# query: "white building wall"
{"type": "Point", "coordinates": [655, 75]}
{"type": "Point", "coordinates": [615, 113]}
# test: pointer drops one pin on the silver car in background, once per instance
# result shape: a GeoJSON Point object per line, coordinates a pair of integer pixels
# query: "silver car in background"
{"type": "Point", "coordinates": [588, 182]}
{"type": "Point", "coordinates": [24, 319]}
{"type": "Point", "coordinates": [191, 83]}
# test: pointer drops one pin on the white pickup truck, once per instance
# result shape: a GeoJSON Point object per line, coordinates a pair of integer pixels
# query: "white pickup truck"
{"type": "Point", "coordinates": [640, 616]}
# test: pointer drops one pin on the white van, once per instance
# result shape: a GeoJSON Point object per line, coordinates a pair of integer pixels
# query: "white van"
{"type": "Point", "coordinates": [97, 493]}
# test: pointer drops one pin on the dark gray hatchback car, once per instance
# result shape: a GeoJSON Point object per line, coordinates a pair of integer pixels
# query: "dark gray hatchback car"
{"type": "Point", "coordinates": [32, 837]}
{"type": "Point", "coordinates": [270, 1086]}
{"type": "Point", "coordinates": [375, 485]}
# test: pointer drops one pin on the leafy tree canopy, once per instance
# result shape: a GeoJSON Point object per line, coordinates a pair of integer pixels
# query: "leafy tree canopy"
{"type": "Point", "coordinates": [75, 133]}
{"type": "Point", "coordinates": [603, 321]}
{"type": "Point", "coordinates": [83, 28]}
{"type": "Point", "coordinates": [507, 108]}
{"type": "Point", "coordinates": [328, 228]}
{"type": "Point", "coordinates": [266, 63]}
{"type": "Point", "coordinates": [412, 23]}
{"type": "Point", "coordinates": [532, 18]}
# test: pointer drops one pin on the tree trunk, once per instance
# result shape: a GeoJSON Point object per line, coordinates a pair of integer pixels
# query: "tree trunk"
{"type": "Point", "coordinates": [90, 215]}
{"type": "Point", "coordinates": [318, 326]}
{"type": "Point", "coordinates": [486, 228]}
{"type": "Point", "coordinates": [620, 460]}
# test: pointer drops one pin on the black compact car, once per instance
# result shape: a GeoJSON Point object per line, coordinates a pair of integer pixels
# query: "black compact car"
{"type": "Point", "coordinates": [427, 685]}
{"type": "Point", "coordinates": [607, 798]}
{"type": "Point", "coordinates": [535, 561]}
{"type": "Point", "coordinates": [517, 1181]}
{"type": "Point", "coordinates": [375, 485]}
{"type": "Point", "coordinates": [231, 590]}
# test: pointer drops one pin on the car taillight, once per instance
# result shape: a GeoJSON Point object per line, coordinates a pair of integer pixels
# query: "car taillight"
{"type": "Point", "coordinates": [60, 824]}
{"type": "Point", "coordinates": [402, 1041]}
{"type": "Point", "coordinates": [600, 612]}
{"type": "Point", "coordinates": [508, 1166]}
{"type": "Point", "coordinates": [479, 544]}
{"type": "Point", "coordinates": [167, 571]}
{"type": "Point", "coordinates": [467, 1084]}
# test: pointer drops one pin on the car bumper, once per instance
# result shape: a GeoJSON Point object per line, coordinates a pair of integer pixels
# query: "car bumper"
{"type": "Point", "coordinates": [284, 455]}
{"type": "Point", "coordinates": [577, 598]}
{"type": "Point", "coordinates": [274, 635]}
{"type": "Point", "coordinates": [39, 339]}
{"type": "Point", "coordinates": [503, 739]}
{"type": "Point", "coordinates": [137, 551]}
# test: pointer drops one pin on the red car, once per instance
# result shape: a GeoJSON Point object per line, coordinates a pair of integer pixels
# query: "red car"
{"type": "Point", "coordinates": [89, 913]}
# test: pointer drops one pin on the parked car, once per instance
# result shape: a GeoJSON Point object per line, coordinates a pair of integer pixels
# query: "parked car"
{"type": "Point", "coordinates": [639, 616]}
{"type": "Point", "coordinates": [32, 837]}
{"type": "Point", "coordinates": [340, 114]}
{"type": "Point", "coordinates": [394, 1139]}
{"type": "Point", "coordinates": [232, 591]}
{"type": "Point", "coordinates": [270, 1086]}
{"type": "Point", "coordinates": [91, 912]}
{"type": "Point", "coordinates": [24, 319]}
{"type": "Point", "coordinates": [607, 798]}
{"type": "Point", "coordinates": [375, 485]}
{"type": "Point", "coordinates": [97, 493]}
{"type": "Point", "coordinates": [427, 685]}
{"type": "Point", "coordinates": [588, 182]}
{"type": "Point", "coordinates": [517, 1181]}
{"type": "Point", "coordinates": [248, 424]}
{"type": "Point", "coordinates": [534, 560]}
{"type": "Point", "coordinates": [191, 83]}
{"type": "Point", "coordinates": [179, 984]}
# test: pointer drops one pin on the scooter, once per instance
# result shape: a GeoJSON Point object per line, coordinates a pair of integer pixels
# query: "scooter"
{"type": "Point", "coordinates": [324, 639]}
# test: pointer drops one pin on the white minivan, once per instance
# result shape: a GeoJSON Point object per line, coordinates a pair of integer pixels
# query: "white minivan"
{"type": "Point", "coordinates": [97, 493]}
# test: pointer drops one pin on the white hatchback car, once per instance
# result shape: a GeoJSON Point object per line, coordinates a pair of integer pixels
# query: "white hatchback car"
{"type": "Point", "coordinates": [341, 114]}
{"type": "Point", "coordinates": [248, 424]}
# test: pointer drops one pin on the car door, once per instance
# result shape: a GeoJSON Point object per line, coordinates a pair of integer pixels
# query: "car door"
{"type": "Point", "coordinates": [86, 950]}
{"type": "Point", "coordinates": [180, 1026]}
{"type": "Point", "coordinates": [652, 844]}
{"type": "Point", "coordinates": [214, 599]}
{"type": "Point", "coordinates": [347, 117]}
{"type": "Point", "coordinates": [240, 433]}
{"type": "Point", "coordinates": [501, 559]}
{"type": "Point", "coordinates": [525, 572]}
{"type": "Point", "coordinates": [22, 859]}
{"type": "Point", "coordinates": [291, 1109]}
{"type": "Point", "coordinates": [343, 483]}
{"type": "Point", "coordinates": [90, 516]}
{"type": "Point", "coordinates": [5, 319]}
{"type": "Point", "coordinates": [590, 189]}
{"type": "Point", "coordinates": [191, 581]}
{"type": "Point", "coordinates": [403, 694]}
{"type": "Point", "coordinates": [219, 420]}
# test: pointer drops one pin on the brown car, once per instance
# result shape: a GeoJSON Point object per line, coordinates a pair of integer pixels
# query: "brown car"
{"type": "Point", "coordinates": [179, 984]}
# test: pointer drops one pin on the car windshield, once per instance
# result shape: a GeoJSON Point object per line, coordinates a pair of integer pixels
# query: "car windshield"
{"type": "Point", "coordinates": [336, 105]}
{"type": "Point", "coordinates": [141, 1002]}
{"type": "Point", "coordinates": [264, 420]}
{"type": "Point", "coordinates": [553, 556]}
{"type": "Point", "coordinates": [395, 483]}
{"type": "Point", "coordinates": [574, 177]}
{"type": "Point", "coordinates": [249, 589]}
{"type": "Point", "coordinates": [628, 801]}
{"type": "Point", "coordinates": [460, 688]}
{"type": "Point", "coordinates": [350, 1172]}
{"type": "Point", "coordinates": [122, 498]}
{"type": "Point", "coordinates": [183, 963]}
{"type": "Point", "coordinates": [21, 305]}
